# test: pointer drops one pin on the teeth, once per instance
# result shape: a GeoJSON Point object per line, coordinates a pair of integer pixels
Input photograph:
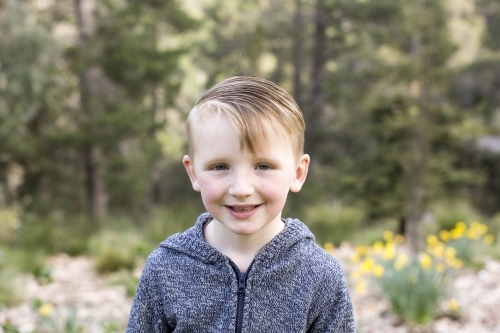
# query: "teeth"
{"type": "Point", "coordinates": [243, 209]}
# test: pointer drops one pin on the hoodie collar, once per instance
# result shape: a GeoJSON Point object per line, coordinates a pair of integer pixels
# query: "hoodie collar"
{"type": "Point", "coordinates": [192, 243]}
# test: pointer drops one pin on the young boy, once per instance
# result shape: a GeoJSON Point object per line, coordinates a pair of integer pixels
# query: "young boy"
{"type": "Point", "coordinates": [242, 268]}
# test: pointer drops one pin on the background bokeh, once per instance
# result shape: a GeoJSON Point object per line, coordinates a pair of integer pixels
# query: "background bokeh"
{"type": "Point", "coordinates": [401, 100]}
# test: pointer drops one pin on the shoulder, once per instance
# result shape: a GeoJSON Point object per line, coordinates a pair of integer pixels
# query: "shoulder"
{"type": "Point", "coordinates": [304, 246]}
{"type": "Point", "coordinates": [319, 262]}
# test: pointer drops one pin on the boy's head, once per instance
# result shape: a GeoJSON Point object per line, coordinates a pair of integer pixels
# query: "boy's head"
{"type": "Point", "coordinates": [246, 137]}
{"type": "Point", "coordinates": [252, 105]}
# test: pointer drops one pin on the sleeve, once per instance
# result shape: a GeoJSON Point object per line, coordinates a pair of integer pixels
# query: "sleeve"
{"type": "Point", "coordinates": [333, 310]}
{"type": "Point", "coordinates": [146, 315]}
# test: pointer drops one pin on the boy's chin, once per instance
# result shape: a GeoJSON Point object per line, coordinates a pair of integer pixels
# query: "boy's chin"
{"type": "Point", "coordinates": [248, 228]}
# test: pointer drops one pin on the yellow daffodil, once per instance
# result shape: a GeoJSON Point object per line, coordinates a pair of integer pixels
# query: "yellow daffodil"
{"type": "Point", "coordinates": [367, 265]}
{"type": "Point", "coordinates": [461, 225]}
{"type": "Point", "coordinates": [361, 250]}
{"type": "Point", "coordinates": [444, 235]}
{"type": "Point", "coordinates": [399, 239]}
{"type": "Point", "coordinates": [454, 262]}
{"type": "Point", "coordinates": [457, 233]}
{"type": "Point", "coordinates": [482, 229]}
{"type": "Point", "coordinates": [400, 262]}
{"type": "Point", "coordinates": [389, 251]}
{"type": "Point", "coordinates": [489, 239]}
{"type": "Point", "coordinates": [329, 247]}
{"type": "Point", "coordinates": [388, 235]}
{"type": "Point", "coordinates": [354, 258]}
{"type": "Point", "coordinates": [453, 305]}
{"type": "Point", "coordinates": [45, 310]}
{"type": "Point", "coordinates": [432, 240]}
{"type": "Point", "coordinates": [440, 267]}
{"type": "Point", "coordinates": [437, 250]}
{"type": "Point", "coordinates": [361, 287]}
{"type": "Point", "coordinates": [425, 261]}
{"type": "Point", "coordinates": [450, 252]}
{"type": "Point", "coordinates": [378, 246]}
{"type": "Point", "coordinates": [378, 270]}
{"type": "Point", "coordinates": [479, 228]}
{"type": "Point", "coordinates": [472, 234]}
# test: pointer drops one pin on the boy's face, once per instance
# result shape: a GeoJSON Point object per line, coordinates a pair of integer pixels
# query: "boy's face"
{"type": "Point", "coordinates": [241, 190]}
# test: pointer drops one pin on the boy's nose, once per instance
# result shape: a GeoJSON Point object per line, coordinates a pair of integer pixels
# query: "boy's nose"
{"type": "Point", "coordinates": [241, 186]}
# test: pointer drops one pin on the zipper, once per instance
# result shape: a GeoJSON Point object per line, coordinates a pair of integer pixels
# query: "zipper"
{"type": "Point", "coordinates": [242, 285]}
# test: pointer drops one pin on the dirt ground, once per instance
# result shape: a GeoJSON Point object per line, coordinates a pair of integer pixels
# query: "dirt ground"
{"type": "Point", "coordinates": [76, 286]}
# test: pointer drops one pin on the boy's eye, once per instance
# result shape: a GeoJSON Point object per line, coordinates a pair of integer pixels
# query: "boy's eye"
{"type": "Point", "coordinates": [220, 167]}
{"type": "Point", "coordinates": [263, 167]}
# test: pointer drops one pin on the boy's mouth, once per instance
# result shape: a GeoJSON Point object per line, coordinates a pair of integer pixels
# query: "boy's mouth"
{"type": "Point", "coordinates": [242, 208]}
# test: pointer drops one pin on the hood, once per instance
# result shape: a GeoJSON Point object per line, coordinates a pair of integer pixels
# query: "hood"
{"type": "Point", "coordinates": [192, 243]}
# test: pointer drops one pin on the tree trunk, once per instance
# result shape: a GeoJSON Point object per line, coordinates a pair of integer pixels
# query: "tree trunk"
{"type": "Point", "coordinates": [97, 199]}
{"type": "Point", "coordinates": [415, 166]}
{"type": "Point", "coordinates": [313, 110]}
{"type": "Point", "coordinates": [297, 54]}
{"type": "Point", "coordinates": [148, 198]}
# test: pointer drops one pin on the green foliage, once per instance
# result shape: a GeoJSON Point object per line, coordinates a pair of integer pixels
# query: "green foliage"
{"type": "Point", "coordinates": [50, 322]}
{"type": "Point", "coordinates": [167, 221]}
{"type": "Point", "coordinates": [414, 292]}
{"type": "Point", "coordinates": [10, 328]}
{"type": "Point", "coordinates": [469, 241]}
{"type": "Point", "coordinates": [10, 288]}
{"type": "Point", "coordinates": [333, 222]}
{"type": "Point", "coordinates": [111, 327]}
{"type": "Point", "coordinates": [370, 233]}
{"type": "Point", "coordinates": [31, 262]}
{"type": "Point", "coordinates": [124, 278]}
{"type": "Point", "coordinates": [52, 234]}
{"type": "Point", "coordinates": [448, 213]}
{"type": "Point", "coordinates": [415, 287]}
{"type": "Point", "coordinates": [113, 251]}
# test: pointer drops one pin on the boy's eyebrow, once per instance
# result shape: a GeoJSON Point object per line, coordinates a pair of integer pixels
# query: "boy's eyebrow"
{"type": "Point", "coordinates": [258, 157]}
{"type": "Point", "coordinates": [215, 160]}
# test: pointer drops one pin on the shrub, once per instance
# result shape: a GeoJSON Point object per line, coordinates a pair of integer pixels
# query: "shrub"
{"type": "Point", "coordinates": [446, 214]}
{"type": "Point", "coordinates": [10, 291]}
{"type": "Point", "coordinates": [414, 287]}
{"type": "Point", "coordinates": [113, 251]}
{"type": "Point", "coordinates": [124, 278]}
{"type": "Point", "coordinates": [333, 222]}
{"type": "Point", "coordinates": [467, 241]}
{"type": "Point", "coordinates": [9, 222]}
{"type": "Point", "coordinates": [168, 221]}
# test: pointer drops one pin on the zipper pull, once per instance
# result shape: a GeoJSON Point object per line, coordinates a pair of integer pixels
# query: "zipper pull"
{"type": "Point", "coordinates": [242, 283]}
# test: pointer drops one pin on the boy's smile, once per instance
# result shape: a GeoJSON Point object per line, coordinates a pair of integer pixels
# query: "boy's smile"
{"type": "Point", "coordinates": [243, 191]}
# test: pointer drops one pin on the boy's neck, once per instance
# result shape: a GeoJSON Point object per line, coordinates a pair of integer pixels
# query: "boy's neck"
{"type": "Point", "coordinates": [241, 249]}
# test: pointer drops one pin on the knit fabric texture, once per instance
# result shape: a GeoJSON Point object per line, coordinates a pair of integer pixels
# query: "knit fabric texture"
{"type": "Point", "coordinates": [292, 286]}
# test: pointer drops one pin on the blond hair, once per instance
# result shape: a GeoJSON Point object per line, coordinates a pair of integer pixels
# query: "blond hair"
{"type": "Point", "coordinates": [252, 105]}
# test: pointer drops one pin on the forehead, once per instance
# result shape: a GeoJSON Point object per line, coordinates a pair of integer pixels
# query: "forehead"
{"type": "Point", "coordinates": [218, 129]}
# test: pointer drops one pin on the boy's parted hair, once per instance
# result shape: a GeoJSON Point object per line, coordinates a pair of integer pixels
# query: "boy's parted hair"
{"type": "Point", "coordinates": [254, 106]}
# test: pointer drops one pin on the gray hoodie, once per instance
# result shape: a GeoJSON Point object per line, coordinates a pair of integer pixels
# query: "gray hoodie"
{"type": "Point", "coordinates": [291, 286]}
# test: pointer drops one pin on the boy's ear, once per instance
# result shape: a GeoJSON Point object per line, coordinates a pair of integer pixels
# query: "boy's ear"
{"type": "Point", "coordinates": [300, 173]}
{"type": "Point", "coordinates": [188, 164]}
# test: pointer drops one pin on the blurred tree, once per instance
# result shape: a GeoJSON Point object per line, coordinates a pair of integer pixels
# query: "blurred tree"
{"type": "Point", "coordinates": [33, 105]}
{"type": "Point", "coordinates": [138, 51]}
{"type": "Point", "coordinates": [476, 90]}
{"type": "Point", "coordinates": [396, 148]}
